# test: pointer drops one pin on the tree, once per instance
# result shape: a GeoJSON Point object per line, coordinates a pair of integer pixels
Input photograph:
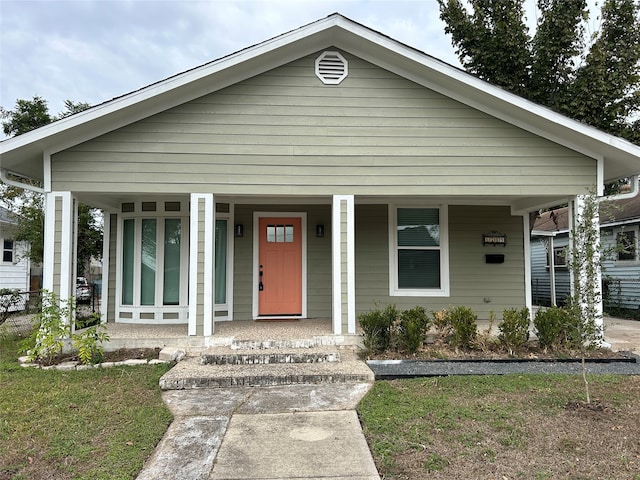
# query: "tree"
{"type": "Point", "coordinates": [28, 206]}
{"type": "Point", "coordinates": [594, 80]}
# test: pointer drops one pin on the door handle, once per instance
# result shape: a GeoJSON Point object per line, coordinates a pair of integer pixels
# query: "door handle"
{"type": "Point", "coordinates": [261, 285]}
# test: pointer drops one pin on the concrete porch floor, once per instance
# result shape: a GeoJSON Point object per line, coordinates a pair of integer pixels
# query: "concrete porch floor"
{"type": "Point", "coordinates": [318, 331]}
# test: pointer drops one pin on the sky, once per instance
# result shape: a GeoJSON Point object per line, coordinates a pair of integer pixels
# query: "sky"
{"type": "Point", "coordinates": [94, 50]}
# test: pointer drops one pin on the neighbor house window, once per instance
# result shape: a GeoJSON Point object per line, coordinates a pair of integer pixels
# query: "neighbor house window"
{"type": "Point", "coordinates": [626, 244]}
{"type": "Point", "coordinates": [419, 259]}
{"type": "Point", "coordinates": [8, 251]}
{"type": "Point", "coordinates": [559, 257]}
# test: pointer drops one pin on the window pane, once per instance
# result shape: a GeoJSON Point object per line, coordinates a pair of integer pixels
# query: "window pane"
{"type": "Point", "coordinates": [172, 234]}
{"type": "Point", "coordinates": [7, 256]}
{"type": "Point", "coordinates": [128, 236]}
{"type": "Point", "coordinates": [418, 269]}
{"type": "Point", "coordinates": [288, 234]}
{"type": "Point", "coordinates": [418, 227]}
{"type": "Point", "coordinates": [148, 262]}
{"type": "Point", "coordinates": [271, 233]}
{"type": "Point", "coordinates": [627, 246]}
{"type": "Point", "coordinates": [221, 262]}
{"type": "Point", "coordinates": [279, 233]}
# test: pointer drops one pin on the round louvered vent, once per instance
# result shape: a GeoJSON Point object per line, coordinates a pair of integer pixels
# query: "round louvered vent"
{"type": "Point", "coordinates": [331, 68]}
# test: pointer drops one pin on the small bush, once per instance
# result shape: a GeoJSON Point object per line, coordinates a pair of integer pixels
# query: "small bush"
{"type": "Point", "coordinates": [464, 329]}
{"type": "Point", "coordinates": [440, 321]}
{"type": "Point", "coordinates": [52, 326]}
{"type": "Point", "coordinates": [89, 344]}
{"type": "Point", "coordinates": [376, 328]}
{"type": "Point", "coordinates": [413, 325]}
{"type": "Point", "coordinates": [558, 327]}
{"type": "Point", "coordinates": [514, 329]}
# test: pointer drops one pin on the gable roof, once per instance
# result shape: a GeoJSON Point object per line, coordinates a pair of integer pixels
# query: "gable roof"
{"type": "Point", "coordinates": [6, 216]}
{"type": "Point", "coordinates": [24, 154]}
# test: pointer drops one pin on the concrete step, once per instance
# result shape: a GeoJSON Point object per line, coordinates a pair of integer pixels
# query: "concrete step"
{"type": "Point", "coordinates": [252, 357]}
{"type": "Point", "coordinates": [191, 373]}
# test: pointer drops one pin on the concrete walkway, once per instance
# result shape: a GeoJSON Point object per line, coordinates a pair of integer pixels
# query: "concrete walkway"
{"type": "Point", "coordinates": [288, 432]}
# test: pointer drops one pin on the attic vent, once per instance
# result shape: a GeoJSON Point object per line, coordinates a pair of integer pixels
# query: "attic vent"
{"type": "Point", "coordinates": [331, 68]}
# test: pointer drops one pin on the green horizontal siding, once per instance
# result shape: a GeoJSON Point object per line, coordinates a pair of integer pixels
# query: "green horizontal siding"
{"type": "Point", "coordinates": [374, 134]}
{"type": "Point", "coordinates": [475, 284]}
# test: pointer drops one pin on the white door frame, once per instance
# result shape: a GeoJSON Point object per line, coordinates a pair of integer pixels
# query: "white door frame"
{"type": "Point", "coordinates": [256, 258]}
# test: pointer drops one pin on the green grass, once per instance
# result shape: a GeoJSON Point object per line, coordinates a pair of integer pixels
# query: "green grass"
{"type": "Point", "coordinates": [511, 426]}
{"type": "Point", "coordinates": [91, 424]}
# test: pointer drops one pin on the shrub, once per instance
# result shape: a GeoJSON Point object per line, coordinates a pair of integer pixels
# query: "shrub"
{"type": "Point", "coordinates": [52, 327]}
{"type": "Point", "coordinates": [376, 327]}
{"type": "Point", "coordinates": [463, 323]}
{"type": "Point", "coordinates": [514, 329]}
{"type": "Point", "coordinates": [89, 344]}
{"type": "Point", "coordinates": [440, 321]}
{"type": "Point", "coordinates": [558, 327]}
{"type": "Point", "coordinates": [413, 325]}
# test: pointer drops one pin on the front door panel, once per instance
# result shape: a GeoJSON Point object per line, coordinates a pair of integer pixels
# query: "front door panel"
{"type": "Point", "coordinates": [280, 264]}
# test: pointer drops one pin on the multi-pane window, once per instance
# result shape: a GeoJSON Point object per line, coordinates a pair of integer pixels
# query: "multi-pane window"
{"type": "Point", "coordinates": [627, 246]}
{"type": "Point", "coordinates": [8, 250]}
{"type": "Point", "coordinates": [418, 242]}
{"type": "Point", "coordinates": [280, 233]}
{"type": "Point", "coordinates": [154, 259]}
{"type": "Point", "coordinates": [559, 257]}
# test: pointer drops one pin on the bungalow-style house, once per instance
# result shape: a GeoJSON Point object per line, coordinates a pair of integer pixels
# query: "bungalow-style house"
{"type": "Point", "coordinates": [14, 263]}
{"type": "Point", "coordinates": [619, 224]}
{"type": "Point", "coordinates": [310, 176]}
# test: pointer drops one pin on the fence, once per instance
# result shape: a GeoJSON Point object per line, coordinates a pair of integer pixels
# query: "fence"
{"type": "Point", "coordinates": [17, 309]}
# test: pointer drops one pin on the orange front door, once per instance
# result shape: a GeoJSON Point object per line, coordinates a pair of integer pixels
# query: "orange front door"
{"type": "Point", "coordinates": [280, 264]}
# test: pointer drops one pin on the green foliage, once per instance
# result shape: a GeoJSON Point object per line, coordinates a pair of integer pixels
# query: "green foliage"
{"type": "Point", "coordinates": [389, 328]}
{"type": "Point", "coordinates": [89, 343]}
{"type": "Point", "coordinates": [464, 329]}
{"type": "Point", "coordinates": [414, 323]}
{"type": "Point", "coordinates": [440, 321]}
{"type": "Point", "coordinates": [599, 86]}
{"type": "Point", "coordinates": [27, 115]}
{"type": "Point", "coordinates": [514, 329]}
{"type": "Point", "coordinates": [376, 327]}
{"type": "Point", "coordinates": [52, 327]}
{"type": "Point", "coordinates": [558, 328]}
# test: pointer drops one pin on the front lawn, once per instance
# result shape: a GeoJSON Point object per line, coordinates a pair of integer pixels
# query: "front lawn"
{"type": "Point", "coordinates": [90, 424]}
{"type": "Point", "coordinates": [504, 427]}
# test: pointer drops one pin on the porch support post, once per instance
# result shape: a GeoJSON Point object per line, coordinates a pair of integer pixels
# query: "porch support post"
{"type": "Point", "coordinates": [201, 255]}
{"type": "Point", "coordinates": [585, 243]}
{"type": "Point", "coordinates": [59, 254]}
{"type": "Point", "coordinates": [343, 264]}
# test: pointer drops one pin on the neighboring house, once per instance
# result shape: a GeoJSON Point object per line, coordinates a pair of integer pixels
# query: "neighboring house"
{"type": "Point", "coordinates": [619, 224]}
{"type": "Point", "coordinates": [310, 176]}
{"type": "Point", "coordinates": [14, 263]}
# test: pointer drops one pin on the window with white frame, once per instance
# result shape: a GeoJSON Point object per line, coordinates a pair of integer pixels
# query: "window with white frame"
{"type": "Point", "coordinates": [559, 257]}
{"type": "Point", "coordinates": [8, 250]}
{"type": "Point", "coordinates": [626, 244]}
{"type": "Point", "coordinates": [155, 252]}
{"type": "Point", "coordinates": [419, 251]}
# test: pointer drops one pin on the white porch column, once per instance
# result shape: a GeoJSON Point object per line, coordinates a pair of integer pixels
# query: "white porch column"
{"type": "Point", "coordinates": [201, 264]}
{"type": "Point", "coordinates": [59, 254]}
{"type": "Point", "coordinates": [585, 242]}
{"type": "Point", "coordinates": [343, 264]}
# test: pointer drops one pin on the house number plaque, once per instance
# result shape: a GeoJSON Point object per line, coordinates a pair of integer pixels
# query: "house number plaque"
{"type": "Point", "coordinates": [494, 238]}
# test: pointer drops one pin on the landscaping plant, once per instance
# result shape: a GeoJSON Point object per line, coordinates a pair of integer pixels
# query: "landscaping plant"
{"type": "Point", "coordinates": [376, 328]}
{"type": "Point", "coordinates": [413, 326]}
{"type": "Point", "coordinates": [52, 328]}
{"type": "Point", "coordinates": [514, 329]}
{"type": "Point", "coordinates": [464, 329]}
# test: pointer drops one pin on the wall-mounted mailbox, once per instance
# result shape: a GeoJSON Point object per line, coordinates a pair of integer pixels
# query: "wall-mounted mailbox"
{"type": "Point", "coordinates": [494, 258]}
